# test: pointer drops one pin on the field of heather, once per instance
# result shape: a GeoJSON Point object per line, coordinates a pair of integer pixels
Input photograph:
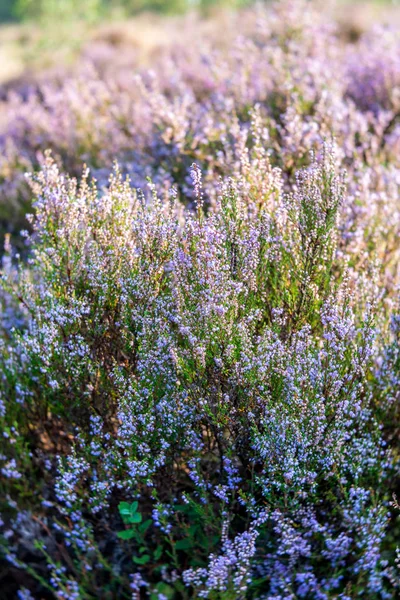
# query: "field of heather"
{"type": "Point", "coordinates": [200, 304]}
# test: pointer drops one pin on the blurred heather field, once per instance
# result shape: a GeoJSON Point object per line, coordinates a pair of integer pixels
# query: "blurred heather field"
{"type": "Point", "coordinates": [199, 300]}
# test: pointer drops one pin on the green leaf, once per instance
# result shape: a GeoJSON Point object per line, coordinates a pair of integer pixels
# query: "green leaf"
{"type": "Point", "coordinates": [163, 588]}
{"type": "Point", "coordinates": [157, 553]}
{"type": "Point", "coordinates": [145, 525]}
{"type": "Point", "coordinates": [141, 560]}
{"type": "Point", "coordinates": [124, 508]}
{"type": "Point", "coordinates": [193, 529]}
{"type": "Point", "coordinates": [135, 518]}
{"type": "Point", "coordinates": [127, 534]}
{"type": "Point", "coordinates": [184, 544]}
{"type": "Point", "coordinates": [196, 562]}
{"type": "Point", "coordinates": [134, 506]}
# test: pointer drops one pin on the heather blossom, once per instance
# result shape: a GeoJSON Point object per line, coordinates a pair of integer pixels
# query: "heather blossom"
{"type": "Point", "coordinates": [199, 343]}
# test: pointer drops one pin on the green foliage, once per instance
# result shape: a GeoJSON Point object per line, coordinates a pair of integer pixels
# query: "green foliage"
{"type": "Point", "coordinates": [52, 11]}
{"type": "Point", "coordinates": [198, 369]}
{"type": "Point", "coordinates": [129, 513]}
{"type": "Point", "coordinates": [7, 10]}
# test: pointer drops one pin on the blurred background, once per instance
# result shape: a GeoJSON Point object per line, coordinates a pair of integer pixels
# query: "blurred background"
{"type": "Point", "coordinates": [12, 10]}
{"type": "Point", "coordinates": [41, 33]}
{"type": "Point", "coordinates": [37, 34]}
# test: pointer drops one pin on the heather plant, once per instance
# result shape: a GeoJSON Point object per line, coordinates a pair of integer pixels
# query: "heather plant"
{"type": "Point", "coordinates": [197, 384]}
{"type": "Point", "coordinates": [197, 106]}
{"type": "Point", "coordinates": [199, 345]}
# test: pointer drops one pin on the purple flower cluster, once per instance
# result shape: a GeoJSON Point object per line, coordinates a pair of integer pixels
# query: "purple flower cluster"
{"type": "Point", "coordinates": [199, 373]}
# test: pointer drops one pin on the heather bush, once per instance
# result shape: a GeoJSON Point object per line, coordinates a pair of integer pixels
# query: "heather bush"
{"type": "Point", "coordinates": [200, 346]}
{"type": "Point", "coordinates": [197, 106]}
{"type": "Point", "coordinates": [197, 384]}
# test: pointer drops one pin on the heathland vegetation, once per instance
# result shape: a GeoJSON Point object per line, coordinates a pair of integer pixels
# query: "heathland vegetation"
{"type": "Point", "coordinates": [200, 321]}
